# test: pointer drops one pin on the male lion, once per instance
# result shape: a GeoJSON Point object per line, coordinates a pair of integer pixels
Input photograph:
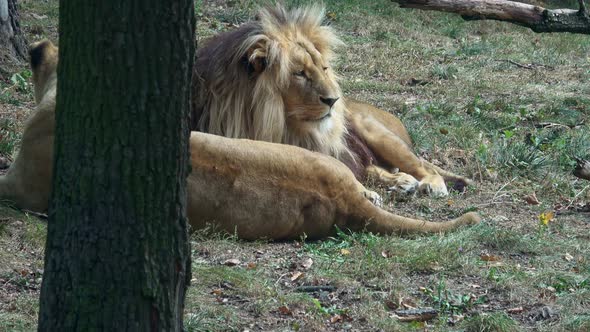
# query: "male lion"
{"type": "Point", "coordinates": [272, 80]}
{"type": "Point", "coordinates": [254, 189]}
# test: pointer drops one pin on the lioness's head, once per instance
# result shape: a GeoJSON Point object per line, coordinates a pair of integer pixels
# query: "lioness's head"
{"type": "Point", "coordinates": [272, 80]}
{"type": "Point", "coordinates": [43, 58]}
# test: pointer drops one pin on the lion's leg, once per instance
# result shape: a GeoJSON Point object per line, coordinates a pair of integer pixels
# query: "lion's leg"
{"type": "Point", "coordinates": [399, 182]}
{"type": "Point", "coordinates": [372, 196]}
{"type": "Point", "coordinates": [396, 153]}
{"type": "Point", "coordinates": [458, 182]}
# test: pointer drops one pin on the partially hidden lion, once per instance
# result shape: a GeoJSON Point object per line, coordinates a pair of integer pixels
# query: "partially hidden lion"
{"type": "Point", "coordinates": [272, 80]}
{"type": "Point", "coordinates": [27, 182]}
{"type": "Point", "coordinates": [250, 188]}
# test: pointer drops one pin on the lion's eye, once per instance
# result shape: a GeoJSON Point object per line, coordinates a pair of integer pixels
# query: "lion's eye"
{"type": "Point", "coordinates": [300, 73]}
{"type": "Point", "coordinates": [325, 68]}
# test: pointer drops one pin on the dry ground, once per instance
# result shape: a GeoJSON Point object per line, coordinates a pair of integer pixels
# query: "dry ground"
{"type": "Point", "coordinates": [490, 100]}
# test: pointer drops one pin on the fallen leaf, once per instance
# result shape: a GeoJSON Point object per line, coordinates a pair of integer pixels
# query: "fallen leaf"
{"type": "Point", "coordinates": [251, 266]}
{"type": "Point", "coordinates": [335, 319]}
{"type": "Point", "coordinates": [285, 310]}
{"type": "Point", "coordinates": [531, 199]}
{"type": "Point", "coordinates": [545, 218]}
{"type": "Point", "coordinates": [307, 263]}
{"type": "Point", "coordinates": [296, 275]}
{"type": "Point", "coordinates": [490, 258]}
{"type": "Point", "coordinates": [232, 262]}
{"type": "Point", "coordinates": [385, 253]}
{"type": "Point", "coordinates": [345, 252]}
{"type": "Point", "coordinates": [444, 131]}
{"type": "Point", "coordinates": [217, 291]}
{"type": "Point", "coordinates": [568, 257]}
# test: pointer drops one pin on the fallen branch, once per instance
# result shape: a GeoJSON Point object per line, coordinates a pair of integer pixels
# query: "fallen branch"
{"type": "Point", "coordinates": [552, 125]}
{"type": "Point", "coordinates": [416, 315]}
{"type": "Point", "coordinates": [527, 65]}
{"type": "Point", "coordinates": [536, 18]}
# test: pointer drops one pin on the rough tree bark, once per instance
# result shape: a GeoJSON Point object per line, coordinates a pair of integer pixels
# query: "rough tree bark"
{"type": "Point", "coordinates": [13, 45]}
{"type": "Point", "coordinates": [536, 18]}
{"type": "Point", "coordinates": [582, 169]}
{"type": "Point", "coordinates": [117, 253]}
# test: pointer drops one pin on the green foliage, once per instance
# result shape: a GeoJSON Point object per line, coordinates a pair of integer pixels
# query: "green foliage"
{"type": "Point", "coordinates": [9, 136]}
{"type": "Point", "coordinates": [444, 72]}
{"type": "Point", "coordinates": [21, 81]}
{"type": "Point", "coordinates": [495, 322]}
{"type": "Point", "coordinates": [449, 302]}
{"type": "Point", "coordinates": [577, 324]}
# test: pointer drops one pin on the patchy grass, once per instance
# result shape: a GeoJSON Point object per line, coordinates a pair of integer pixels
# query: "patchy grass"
{"type": "Point", "coordinates": [493, 101]}
{"type": "Point", "coordinates": [22, 239]}
{"type": "Point", "coordinates": [497, 322]}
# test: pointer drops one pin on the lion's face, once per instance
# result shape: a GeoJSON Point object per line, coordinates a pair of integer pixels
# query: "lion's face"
{"type": "Point", "coordinates": [312, 99]}
{"type": "Point", "coordinates": [271, 80]}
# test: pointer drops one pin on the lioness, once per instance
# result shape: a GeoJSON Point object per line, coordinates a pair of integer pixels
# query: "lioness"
{"type": "Point", "coordinates": [272, 80]}
{"type": "Point", "coordinates": [254, 189]}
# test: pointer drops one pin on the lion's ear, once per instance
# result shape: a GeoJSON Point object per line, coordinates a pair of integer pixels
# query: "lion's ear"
{"type": "Point", "coordinates": [256, 58]}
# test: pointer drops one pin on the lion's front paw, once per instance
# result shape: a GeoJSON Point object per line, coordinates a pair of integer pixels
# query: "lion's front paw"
{"type": "Point", "coordinates": [374, 197]}
{"type": "Point", "coordinates": [433, 185]}
{"type": "Point", "coordinates": [404, 184]}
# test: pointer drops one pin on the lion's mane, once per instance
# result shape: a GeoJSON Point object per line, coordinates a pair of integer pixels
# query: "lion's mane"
{"type": "Point", "coordinates": [232, 102]}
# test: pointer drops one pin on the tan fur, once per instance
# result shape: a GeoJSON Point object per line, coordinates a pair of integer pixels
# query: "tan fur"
{"type": "Point", "coordinates": [27, 182]}
{"type": "Point", "coordinates": [254, 189]}
{"type": "Point", "coordinates": [259, 190]}
{"type": "Point", "coordinates": [249, 86]}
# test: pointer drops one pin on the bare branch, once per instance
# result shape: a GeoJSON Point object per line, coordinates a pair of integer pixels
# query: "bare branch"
{"type": "Point", "coordinates": [536, 18]}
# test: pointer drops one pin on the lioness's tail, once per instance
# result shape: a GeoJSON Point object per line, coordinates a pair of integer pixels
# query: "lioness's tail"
{"type": "Point", "coordinates": [383, 222]}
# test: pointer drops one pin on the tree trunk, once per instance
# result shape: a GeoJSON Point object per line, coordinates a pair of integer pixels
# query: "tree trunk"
{"type": "Point", "coordinates": [536, 18]}
{"type": "Point", "coordinates": [582, 169]}
{"type": "Point", "coordinates": [13, 45]}
{"type": "Point", "coordinates": [117, 253]}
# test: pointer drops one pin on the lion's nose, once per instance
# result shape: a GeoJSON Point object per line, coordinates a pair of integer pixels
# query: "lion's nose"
{"type": "Point", "coordinates": [329, 101]}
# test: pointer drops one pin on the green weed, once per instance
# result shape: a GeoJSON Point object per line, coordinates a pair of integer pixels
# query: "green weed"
{"type": "Point", "coordinates": [448, 302]}
{"type": "Point", "coordinates": [496, 322]}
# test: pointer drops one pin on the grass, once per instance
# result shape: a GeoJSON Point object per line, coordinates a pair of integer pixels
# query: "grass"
{"type": "Point", "coordinates": [497, 322]}
{"type": "Point", "coordinates": [469, 108]}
